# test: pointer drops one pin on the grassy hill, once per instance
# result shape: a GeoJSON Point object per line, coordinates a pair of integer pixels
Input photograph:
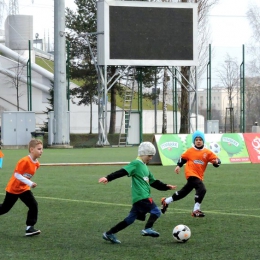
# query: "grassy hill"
{"type": "Point", "coordinates": [147, 103]}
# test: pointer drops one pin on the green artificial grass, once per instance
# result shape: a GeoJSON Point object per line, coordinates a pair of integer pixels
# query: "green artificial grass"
{"type": "Point", "coordinates": [74, 211]}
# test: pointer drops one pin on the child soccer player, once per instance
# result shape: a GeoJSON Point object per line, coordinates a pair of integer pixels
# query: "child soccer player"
{"type": "Point", "coordinates": [196, 159]}
{"type": "Point", "coordinates": [142, 179]}
{"type": "Point", "coordinates": [20, 183]}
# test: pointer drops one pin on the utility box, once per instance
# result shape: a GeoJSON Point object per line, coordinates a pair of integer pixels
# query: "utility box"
{"type": "Point", "coordinates": [134, 129]}
{"type": "Point", "coordinates": [16, 127]}
{"type": "Point", "coordinates": [255, 129]}
{"type": "Point", "coordinates": [212, 127]}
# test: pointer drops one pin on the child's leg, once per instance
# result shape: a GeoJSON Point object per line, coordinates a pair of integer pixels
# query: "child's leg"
{"type": "Point", "coordinates": [151, 220]}
{"type": "Point", "coordinates": [9, 201]}
{"type": "Point", "coordinates": [118, 227]}
{"type": "Point", "coordinates": [155, 213]}
{"type": "Point", "coordinates": [109, 235]}
{"type": "Point", "coordinates": [200, 194]}
{"type": "Point", "coordinates": [126, 222]}
{"type": "Point", "coordinates": [28, 199]}
{"type": "Point", "coordinates": [183, 192]}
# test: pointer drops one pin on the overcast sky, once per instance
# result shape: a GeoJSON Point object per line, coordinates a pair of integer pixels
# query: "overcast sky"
{"type": "Point", "coordinates": [228, 24]}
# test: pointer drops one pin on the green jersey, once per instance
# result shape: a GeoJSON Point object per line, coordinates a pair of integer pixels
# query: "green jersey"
{"type": "Point", "coordinates": [141, 179]}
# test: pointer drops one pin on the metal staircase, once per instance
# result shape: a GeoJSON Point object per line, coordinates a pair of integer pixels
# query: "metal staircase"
{"type": "Point", "coordinates": [126, 113]}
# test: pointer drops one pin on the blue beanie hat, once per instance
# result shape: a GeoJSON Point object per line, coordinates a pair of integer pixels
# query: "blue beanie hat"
{"type": "Point", "coordinates": [198, 134]}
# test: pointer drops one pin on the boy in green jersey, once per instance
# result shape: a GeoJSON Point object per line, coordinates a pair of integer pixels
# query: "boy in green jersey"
{"type": "Point", "coordinates": [142, 180]}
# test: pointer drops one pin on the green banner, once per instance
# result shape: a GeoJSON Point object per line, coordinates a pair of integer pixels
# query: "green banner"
{"type": "Point", "coordinates": [230, 148]}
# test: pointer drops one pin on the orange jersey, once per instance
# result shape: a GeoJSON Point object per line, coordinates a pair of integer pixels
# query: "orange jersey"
{"type": "Point", "coordinates": [197, 161]}
{"type": "Point", "coordinates": [1, 154]}
{"type": "Point", "coordinates": [27, 168]}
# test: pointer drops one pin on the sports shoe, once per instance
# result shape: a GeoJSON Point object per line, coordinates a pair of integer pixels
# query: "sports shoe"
{"type": "Point", "coordinates": [197, 214]}
{"type": "Point", "coordinates": [164, 205]}
{"type": "Point", "coordinates": [112, 238]}
{"type": "Point", "coordinates": [150, 232]}
{"type": "Point", "coordinates": [32, 232]}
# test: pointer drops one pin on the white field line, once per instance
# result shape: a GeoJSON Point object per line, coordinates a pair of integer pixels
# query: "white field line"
{"type": "Point", "coordinates": [174, 211]}
{"type": "Point", "coordinates": [84, 164]}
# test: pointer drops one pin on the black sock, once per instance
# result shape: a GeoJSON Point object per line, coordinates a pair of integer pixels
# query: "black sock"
{"type": "Point", "coordinates": [118, 227]}
{"type": "Point", "coordinates": [151, 221]}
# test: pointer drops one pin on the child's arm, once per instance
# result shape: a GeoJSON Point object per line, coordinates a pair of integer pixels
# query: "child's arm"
{"type": "Point", "coordinates": [180, 163]}
{"type": "Point", "coordinates": [216, 162]}
{"type": "Point", "coordinates": [118, 174]}
{"type": "Point", "coordinates": [162, 186]}
{"type": "Point", "coordinates": [26, 181]}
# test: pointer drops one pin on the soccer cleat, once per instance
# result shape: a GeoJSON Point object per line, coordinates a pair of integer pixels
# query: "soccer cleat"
{"type": "Point", "coordinates": [32, 232]}
{"type": "Point", "coordinates": [164, 205]}
{"type": "Point", "coordinates": [112, 238]}
{"type": "Point", "coordinates": [197, 214]}
{"type": "Point", "coordinates": [150, 232]}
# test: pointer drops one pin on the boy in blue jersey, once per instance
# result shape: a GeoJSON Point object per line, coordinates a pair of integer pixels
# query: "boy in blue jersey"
{"type": "Point", "coordinates": [142, 180]}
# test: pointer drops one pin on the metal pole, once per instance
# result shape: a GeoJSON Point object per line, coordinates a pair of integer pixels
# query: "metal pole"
{"type": "Point", "coordinates": [68, 74]}
{"type": "Point", "coordinates": [140, 103]}
{"type": "Point", "coordinates": [105, 105]}
{"type": "Point", "coordinates": [244, 110]}
{"type": "Point", "coordinates": [155, 102]}
{"type": "Point", "coordinates": [196, 98]}
{"type": "Point", "coordinates": [242, 92]}
{"type": "Point", "coordinates": [209, 86]}
{"type": "Point", "coordinates": [28, 88]}
{"type": "Point", "coordinates": [61, 116]}
{"type": "Point", "coordinates": [175, 100]}
{"type": "Point", "coordinates": [30, 79]}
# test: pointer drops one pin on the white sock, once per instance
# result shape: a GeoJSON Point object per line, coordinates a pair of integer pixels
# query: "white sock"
{"type": "Point", "coordinates": [196, 206]}
{"type": "Point", "coordinates": [169, 200]}
{"type": "Point", "coordinates": [28, 227]}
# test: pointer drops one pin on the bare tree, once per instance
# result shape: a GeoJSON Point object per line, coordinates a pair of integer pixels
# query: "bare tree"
{"type": "Point", "coordinates": [253, 16]}
{"type": "Point", "coordinates": [252, 100]}
{"type": "Point", "coordinates": [164, 103]}
{"type": "Point", "coordinates": [15, 81]}
{"type": "Point", "coordinates": [229, 79]}
{"type": "Point", "coordinates": [203, 38]}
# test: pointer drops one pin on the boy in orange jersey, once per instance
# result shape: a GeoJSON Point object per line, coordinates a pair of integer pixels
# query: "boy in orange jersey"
{"type": "Point", "coordinates": [19, 186]}
{"type": "Point", "coordinates": [196, 159]}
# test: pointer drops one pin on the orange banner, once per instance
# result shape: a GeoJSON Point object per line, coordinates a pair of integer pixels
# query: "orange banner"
{"type": "Point", "coordinates": [252, 141]}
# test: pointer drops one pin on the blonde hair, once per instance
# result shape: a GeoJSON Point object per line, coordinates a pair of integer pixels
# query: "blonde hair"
{"type": "Point", "coordinates": [33, 143]}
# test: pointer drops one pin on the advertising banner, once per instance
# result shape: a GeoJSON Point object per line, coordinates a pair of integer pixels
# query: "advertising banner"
{"type": "Point", "coordinates": [252, 141]}
{"type": "Point", "coordinates": [230, 148]}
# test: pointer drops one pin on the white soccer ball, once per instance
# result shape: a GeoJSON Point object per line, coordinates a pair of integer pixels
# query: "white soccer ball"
{"type": "Point", "coordinates": [181, 233]}
{"type": "Point", "coordinates": [214, 147]}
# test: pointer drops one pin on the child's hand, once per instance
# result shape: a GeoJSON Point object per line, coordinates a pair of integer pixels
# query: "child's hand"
{"type": "Point", "coordinates": [216, 161]}
{"type": "Point", "coordinates": [171, 187]}
{"type": "Point", "coordinates": [103, 180]}
{"type": "Point", "coordinates": [34, 185]}
{"type": "Point", "coordinates": [177, 169]}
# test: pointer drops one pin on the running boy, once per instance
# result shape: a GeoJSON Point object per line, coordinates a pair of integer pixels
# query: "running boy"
{"type": "Point", "coordinates": [142, 179]}
{"type": "Point", "coordinates": [19, 186]}
{"type": "Point", "coordinates": [196, 159]}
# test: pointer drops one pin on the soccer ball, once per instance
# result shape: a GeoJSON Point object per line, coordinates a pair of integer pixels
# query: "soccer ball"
{"type": "Point", "coordinates": [214, 147]}
{"type": "Point", "coordinates": [181, 233]}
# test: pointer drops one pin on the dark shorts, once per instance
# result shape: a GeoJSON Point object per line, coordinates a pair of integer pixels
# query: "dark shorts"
{"type": "Point", "coordinates": [141, 208]}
